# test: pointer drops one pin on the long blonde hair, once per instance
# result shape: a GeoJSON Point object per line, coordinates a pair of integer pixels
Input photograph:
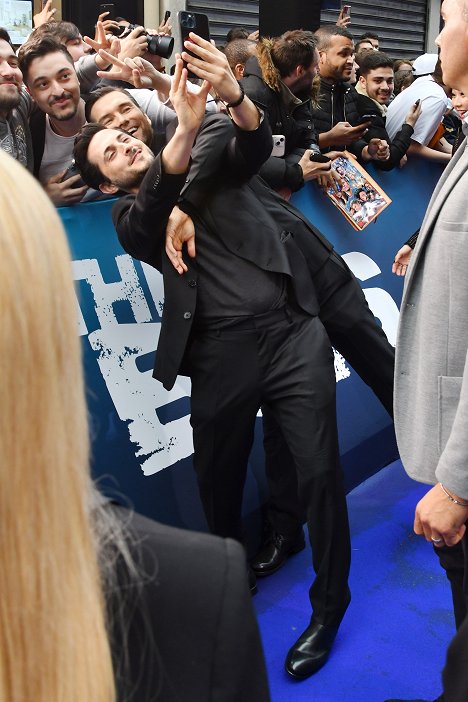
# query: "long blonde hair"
{"type": "Point", "coordinates": [53, 641]}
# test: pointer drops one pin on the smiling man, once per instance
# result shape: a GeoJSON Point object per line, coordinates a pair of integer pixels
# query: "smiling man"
{"type": "Point", "coordinates": [374, 88]}
{"type": "Point", "coordinates": [15, 106]}
{"type": "Point", "coordinates": [139, 112]}
{"type": "Point", "coordinates": [337, 118]}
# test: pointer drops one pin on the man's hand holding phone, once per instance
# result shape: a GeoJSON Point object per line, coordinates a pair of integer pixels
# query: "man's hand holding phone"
{"type": "Point", "coordinates": [414, 113]}
{"type": "Point", "coordinates": [343, 133]}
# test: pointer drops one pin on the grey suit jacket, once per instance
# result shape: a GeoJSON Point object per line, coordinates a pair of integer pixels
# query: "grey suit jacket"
{"type": "Point", "coordinates": [431, 372]}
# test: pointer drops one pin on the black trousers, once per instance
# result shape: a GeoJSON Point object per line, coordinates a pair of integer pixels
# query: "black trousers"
{"type": "Point", "coordinates": [355, 333]}
{"type": "Point", "coordinates": [282, 359]}
{"type": "Point", "coordinates": [454, 560]}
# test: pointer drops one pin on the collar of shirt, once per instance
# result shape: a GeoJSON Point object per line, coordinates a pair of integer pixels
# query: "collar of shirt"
{"type": "Point", "coordinates": [289, 99]}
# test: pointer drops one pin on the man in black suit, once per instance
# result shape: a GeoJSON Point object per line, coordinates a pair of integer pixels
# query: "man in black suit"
{"type": "Point", "coordinates": [240, 318]}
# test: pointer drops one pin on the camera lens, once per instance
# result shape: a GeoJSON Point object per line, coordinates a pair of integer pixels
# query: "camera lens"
{"type": "Point", "coordinates": [160, 46]}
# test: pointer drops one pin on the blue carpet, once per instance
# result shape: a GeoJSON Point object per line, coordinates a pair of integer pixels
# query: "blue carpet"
{"type": "Point", "coordinates": [393, 639]}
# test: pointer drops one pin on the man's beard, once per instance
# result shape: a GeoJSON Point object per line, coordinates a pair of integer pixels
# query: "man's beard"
{"type": "Point", "coordinates": [133, 180]}
{"type": "Point", "coordinates": [9, 99]}
{"type": "Point", "coordinates": [66, 115]}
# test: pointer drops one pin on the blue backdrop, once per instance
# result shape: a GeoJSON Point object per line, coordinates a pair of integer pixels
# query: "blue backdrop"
{"type": "Point", "coordinates": [141, 434]}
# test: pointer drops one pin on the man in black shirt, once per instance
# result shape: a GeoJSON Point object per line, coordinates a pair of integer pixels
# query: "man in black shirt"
{"type": "Point", "coordinates": [240, 318]}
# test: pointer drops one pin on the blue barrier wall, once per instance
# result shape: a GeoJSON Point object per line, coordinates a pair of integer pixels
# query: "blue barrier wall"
{"type": "Point", "coordinates": [141, 433]}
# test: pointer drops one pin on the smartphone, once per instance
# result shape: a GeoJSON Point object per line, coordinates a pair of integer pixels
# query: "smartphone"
{"type": "Point", "coordinates": [367, 118]}
{"type": "Point", "coordinates": [195, 22]}
{"type": "Point", "coordinates": [108, 8]}
{"type": "Point", "coordinates": [319, 158]}
{"type": "Point", "coordinates": [70, 172]}
{"type": "Point", "coordinates": [346, 10]}
{"type": "Point", "coordinates": [167, 14]}
{"type": "Point", "coordinates": [279, 145]}
{"type": "Point", "coordinates": [417, 102]}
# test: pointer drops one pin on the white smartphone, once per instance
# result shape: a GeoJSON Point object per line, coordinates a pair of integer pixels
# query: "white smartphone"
{"type": "Point", "coordinates": [279, 144]}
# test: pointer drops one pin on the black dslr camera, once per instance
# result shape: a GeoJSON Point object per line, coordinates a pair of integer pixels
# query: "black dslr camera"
{"type": "Point", "coordinates": [157, 45]}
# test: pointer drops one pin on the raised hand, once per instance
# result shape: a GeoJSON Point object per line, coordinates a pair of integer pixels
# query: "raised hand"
{"type": "Point", "coordinates": [189, 107]}
{"type": "Point", "coordinates": [45, 15]}
{"type": "Point", "coordinates": [212, 65]}
{"type": "Point", "coordinates": [137, 71]}
{"type": "Point", "coordinates": [108, 24]}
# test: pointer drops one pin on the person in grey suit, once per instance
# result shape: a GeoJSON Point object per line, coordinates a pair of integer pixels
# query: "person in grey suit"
{"type": "Point", "coordinates": [431, 373]}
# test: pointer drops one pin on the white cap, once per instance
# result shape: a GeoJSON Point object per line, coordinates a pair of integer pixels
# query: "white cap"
{"type": "Point", "coordinates": [425, 64]}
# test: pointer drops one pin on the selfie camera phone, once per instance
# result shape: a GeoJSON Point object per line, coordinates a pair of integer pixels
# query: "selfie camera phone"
{"type": "Point", "coordinates": [110, 8]}
{"type": "Point", "coordinates": [195, 22]}
{"type": "Point", "coordinates": [279, 145]}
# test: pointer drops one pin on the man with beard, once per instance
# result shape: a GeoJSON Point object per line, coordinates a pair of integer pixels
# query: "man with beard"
{"type": "Point", "coordinates": [240, 319]}
{"type": "Point", "coordinates": [50, 75]}
{"type": "Point", "coordinates": [336, 117]}
{"type": "Point", "coordinates": [15, 106]}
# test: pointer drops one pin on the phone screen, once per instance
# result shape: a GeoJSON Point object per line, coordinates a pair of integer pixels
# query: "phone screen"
{"type": "Point", "coordinates": [195, 22]}
{"type": "Point", "coordinates": [107, 8]}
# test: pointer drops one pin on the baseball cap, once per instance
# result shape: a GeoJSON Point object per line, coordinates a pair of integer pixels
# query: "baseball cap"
{"type": "Point", "coordinates": [424, 64]}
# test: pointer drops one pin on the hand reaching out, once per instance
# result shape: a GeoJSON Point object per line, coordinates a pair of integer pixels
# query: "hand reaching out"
{"type": "Point", "coordinates": [45, 15]}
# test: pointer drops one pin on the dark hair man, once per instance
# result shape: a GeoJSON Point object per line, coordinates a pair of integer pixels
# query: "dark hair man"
{"type": "Point", "coordinates": [337, 118]}
{"type": "Point", "coordinates": [374, 88]}
{"type": "Point", "coordinates": [67, 34]}
{"type": "Point", "coordinates": [372, 37]}
{"type": "Point", "coordinates": [237, 52]}
{"type": "Point", "coordinates": [49, 73]}
{"type": "Point", "coordinates": [280, 78]}
{"type": "Point", "coordinates": [15, 106]}
{"type": "Point", "coordinates": [363, 45]}
{"type": "Point", "coordinates": [431, 379]}
{"type": "Point", "coordinates": [230, 316]}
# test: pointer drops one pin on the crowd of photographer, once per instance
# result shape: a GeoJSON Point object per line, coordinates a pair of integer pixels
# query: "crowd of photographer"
{"type": "Point", "coordinates": [100, 117]}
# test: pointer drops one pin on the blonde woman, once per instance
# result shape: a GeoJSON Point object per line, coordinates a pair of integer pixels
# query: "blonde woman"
{"type": "Point", "coordinates": [77, 573]}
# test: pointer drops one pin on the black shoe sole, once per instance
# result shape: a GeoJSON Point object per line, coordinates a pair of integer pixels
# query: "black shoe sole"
{"type": "Point", "coordinates": [270, 571]}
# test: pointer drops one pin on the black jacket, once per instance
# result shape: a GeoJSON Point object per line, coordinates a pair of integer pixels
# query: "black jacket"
{"type": "Point", "coordinates": [400, 144]}
{"type": "Point", "coordinates": [295, 124]}
{"type": "Point", "coordinates": [337, 103]}
{"type": "Point", "coordinates": [183, 629]}
{"type": "Point", "coordinates": [221, 195]}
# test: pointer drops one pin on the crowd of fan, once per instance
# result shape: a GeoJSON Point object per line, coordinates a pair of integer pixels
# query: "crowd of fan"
{"type": "Point", "coordinates": [351, 96]}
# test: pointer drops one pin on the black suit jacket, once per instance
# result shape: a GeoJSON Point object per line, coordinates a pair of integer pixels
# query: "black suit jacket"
{"type": "Point", "coordinates": [222, 195]}
{"type": "Point", "coordinates": [183, 629]}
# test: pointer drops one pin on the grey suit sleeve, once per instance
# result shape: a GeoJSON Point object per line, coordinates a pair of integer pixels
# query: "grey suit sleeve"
{"type": "Point", "coordinates": [452, 469]}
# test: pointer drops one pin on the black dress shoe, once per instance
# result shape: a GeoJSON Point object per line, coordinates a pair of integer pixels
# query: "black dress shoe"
{"type": "Point", "coordinates": [311, 650]}
{"type": "Point", "coordinates": [274, 553]}
{"type": "Point", "coordinates": [252, 580]}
